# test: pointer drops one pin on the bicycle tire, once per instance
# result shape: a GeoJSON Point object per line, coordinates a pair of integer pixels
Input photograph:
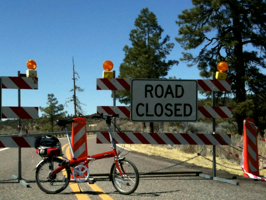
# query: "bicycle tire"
{"type": "Point", "coordinates": [52, 185]}
{"type": "Point", "coordinates": [130, 180]}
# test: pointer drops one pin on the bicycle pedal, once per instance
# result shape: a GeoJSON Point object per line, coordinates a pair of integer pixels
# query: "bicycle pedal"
{"type": "Point", "coordinates": [91, 181]}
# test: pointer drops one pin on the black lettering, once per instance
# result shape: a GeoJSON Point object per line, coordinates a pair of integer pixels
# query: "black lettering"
{"type": "Point", "coordinates": [137, 109]}
{"type": "Point", "coordinates": [177, 110]}
{"type": "Point", "coordinates": [177, 90]}
{"type": "Point", "coordinates": [161, 110]}
{"type": "Point", "coordinates": [147, 111]}
{"type": "Point", "coordinates": [159, 92]}
{"type": "Point", "coordinates": [148, 89]}
{"type": "Point", "coordinates": [169, 91]}
{"type": "Point", "coordinates": [187, 112]}
{"type": "Point", "coordinates": [168, 109]}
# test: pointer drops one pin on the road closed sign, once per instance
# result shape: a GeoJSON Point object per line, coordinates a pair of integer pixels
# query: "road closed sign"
{"type": "Point", "coordinates": [164, 100]}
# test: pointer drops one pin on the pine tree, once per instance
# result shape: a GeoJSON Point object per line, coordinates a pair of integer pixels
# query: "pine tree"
{"type": "Point", "coordinates": [230, 30]}
{"type": "Point", "coordinates": [147, 56]}
{"type": "Point", "coordinates": [51, 113]}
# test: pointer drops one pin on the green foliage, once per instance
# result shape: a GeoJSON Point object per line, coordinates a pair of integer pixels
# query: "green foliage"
{"type": "Point", "coordinates": [147, 56]}
{"type": "Point", "coordinates": [232, 31]}
{"type": "Point", "coordinates": [51, 113]}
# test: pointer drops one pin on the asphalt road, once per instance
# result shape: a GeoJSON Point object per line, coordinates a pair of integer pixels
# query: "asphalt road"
{"type": "Point", "coordinates": [166, 187]}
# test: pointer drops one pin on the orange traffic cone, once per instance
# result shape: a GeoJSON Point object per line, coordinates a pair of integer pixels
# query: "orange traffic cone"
{"type": "Point", "coordinates": [250, 148]}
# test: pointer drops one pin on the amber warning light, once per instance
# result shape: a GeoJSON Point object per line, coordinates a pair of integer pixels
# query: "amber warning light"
{"type": "Point", "coordinates": [108, 66]}
{"type": "Point", "coordinates": [31, 65]}
{"type": "Point", "coordinates": [222, 68]}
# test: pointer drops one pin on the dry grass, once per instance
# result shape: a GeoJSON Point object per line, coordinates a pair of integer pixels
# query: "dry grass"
{"type": "Point", "coordinates": [178, 154]}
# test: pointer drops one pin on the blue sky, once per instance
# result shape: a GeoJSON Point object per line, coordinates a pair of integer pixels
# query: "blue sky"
{"type": "Point", "coordinates": [53, 31]}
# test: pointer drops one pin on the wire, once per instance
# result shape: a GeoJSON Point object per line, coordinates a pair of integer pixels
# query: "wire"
{"type": "Point", "coordinates": [174, 164]}
{"type": "Point", "coordinates": [221, 164]}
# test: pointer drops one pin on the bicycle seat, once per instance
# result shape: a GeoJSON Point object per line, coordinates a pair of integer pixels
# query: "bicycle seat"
{"type": "Point", "coordinates": [64, 122]}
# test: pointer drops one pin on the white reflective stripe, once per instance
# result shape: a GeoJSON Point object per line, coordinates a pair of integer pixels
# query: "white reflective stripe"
{"type": "Point", "coordinates": [32, 112]}
{"type": "Point", "coordinates": [251, 136]}
{"type": "Point", "coordinates": [8, 112]}
{"type": "Point", "coordinates": [101, 85]}
{"type": "Point", "coordinates": [133, 138]}
{"type": "Point", "coordinates": [180, 139]}
{"type": "Point", "coordinates": [196, 139]}
{"type": "Point", "coordinates": [9, 142]}
{"type": "Point", "coordinates": [8, 83]}
{"type": "Point", "coordinates": [149, 138]}
{"type": "Point", "coordinates": [251, 167]}
{"type": "Point", "coordinates": [226, 138]}
{"type": "Point", "coordinates": [102, 138]}
{"type": "Point", "coordinates": [118, 138]}
{"type": "Point", "coordinates": [252, 153]}
{"type": "Point", "coordinates": [212, 139]}
{"type": "Point", "coordinates": [79, 134]}
{"type": "Point", "coordinates": [80, 150]}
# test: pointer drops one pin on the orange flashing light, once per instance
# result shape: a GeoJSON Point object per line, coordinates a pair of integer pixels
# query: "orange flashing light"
{"type": "Point", "coordinates": [31, 64]}
{"type": "Point", "coordinates": [108, 65]}
{"type": "Point", "coordinates": [222, 66]}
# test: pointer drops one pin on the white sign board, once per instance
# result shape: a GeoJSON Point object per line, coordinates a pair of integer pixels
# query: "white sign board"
{"type": "Point", "coordinates": [164, 100]}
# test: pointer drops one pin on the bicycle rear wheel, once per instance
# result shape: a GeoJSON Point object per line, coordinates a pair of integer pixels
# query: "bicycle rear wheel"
{"type": "Point", "coordinates": [127, 183]}
{"type": "Point", "coordinates": [48, 184]}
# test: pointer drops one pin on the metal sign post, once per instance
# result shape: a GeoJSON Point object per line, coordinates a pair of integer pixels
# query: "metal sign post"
{"type": "Point", "coordinates": [213, 131]}
{"type": "Point", "coordinates": [20, 180]}
{"type": "Point", "coordinates": [114, 101]}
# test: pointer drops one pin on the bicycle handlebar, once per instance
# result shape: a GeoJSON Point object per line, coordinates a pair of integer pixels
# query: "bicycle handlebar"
{"type": "Point", "coordinates": [101, 116]}
{"type": "Point", "coordinates": [63, 122]}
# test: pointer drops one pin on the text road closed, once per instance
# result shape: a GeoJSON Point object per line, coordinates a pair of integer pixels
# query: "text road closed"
{"type": "Point", "coordinates": [163, 100]}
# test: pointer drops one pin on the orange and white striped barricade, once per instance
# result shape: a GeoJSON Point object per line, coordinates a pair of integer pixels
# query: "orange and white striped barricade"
{"type": "Point", "coordinates": [250, 162]}
{"type": "Point", "coordinates": [79, 138]}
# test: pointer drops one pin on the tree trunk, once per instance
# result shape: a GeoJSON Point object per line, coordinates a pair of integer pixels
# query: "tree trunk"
{"type": "Point", "coordinates": [240, 68]}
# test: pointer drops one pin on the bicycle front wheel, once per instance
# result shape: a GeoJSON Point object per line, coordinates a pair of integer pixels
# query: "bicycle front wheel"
{"type": "Point", "coordinates": [48, 184]}
{"type": "Point", "coordinates": [129, 181]}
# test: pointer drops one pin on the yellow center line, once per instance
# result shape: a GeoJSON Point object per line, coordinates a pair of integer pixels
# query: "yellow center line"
{"type": "Point", "coordinates": [100, 192]}
{"type": "Point", "coordinates": [94, 186]}
{"type": "Point", "coordinates": [74, 186]}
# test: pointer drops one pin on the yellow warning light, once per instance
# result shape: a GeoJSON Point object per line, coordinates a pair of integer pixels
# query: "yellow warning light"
{"type": "Point", "coordinates": [108, 65]}
{"type": "Point", "coordinates": [31, 72]}
{"type": "Point", "coordinates": [31, 64]}
{"type": "Point", "coordinates": [222, 66]}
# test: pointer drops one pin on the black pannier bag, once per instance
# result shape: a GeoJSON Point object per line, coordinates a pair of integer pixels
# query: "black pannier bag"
{"type": "Point", "coordinates": [48, 146]}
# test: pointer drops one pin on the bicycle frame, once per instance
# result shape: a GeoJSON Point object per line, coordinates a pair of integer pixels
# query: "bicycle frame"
{"type": "Point", "coordinates": [75, 161]}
